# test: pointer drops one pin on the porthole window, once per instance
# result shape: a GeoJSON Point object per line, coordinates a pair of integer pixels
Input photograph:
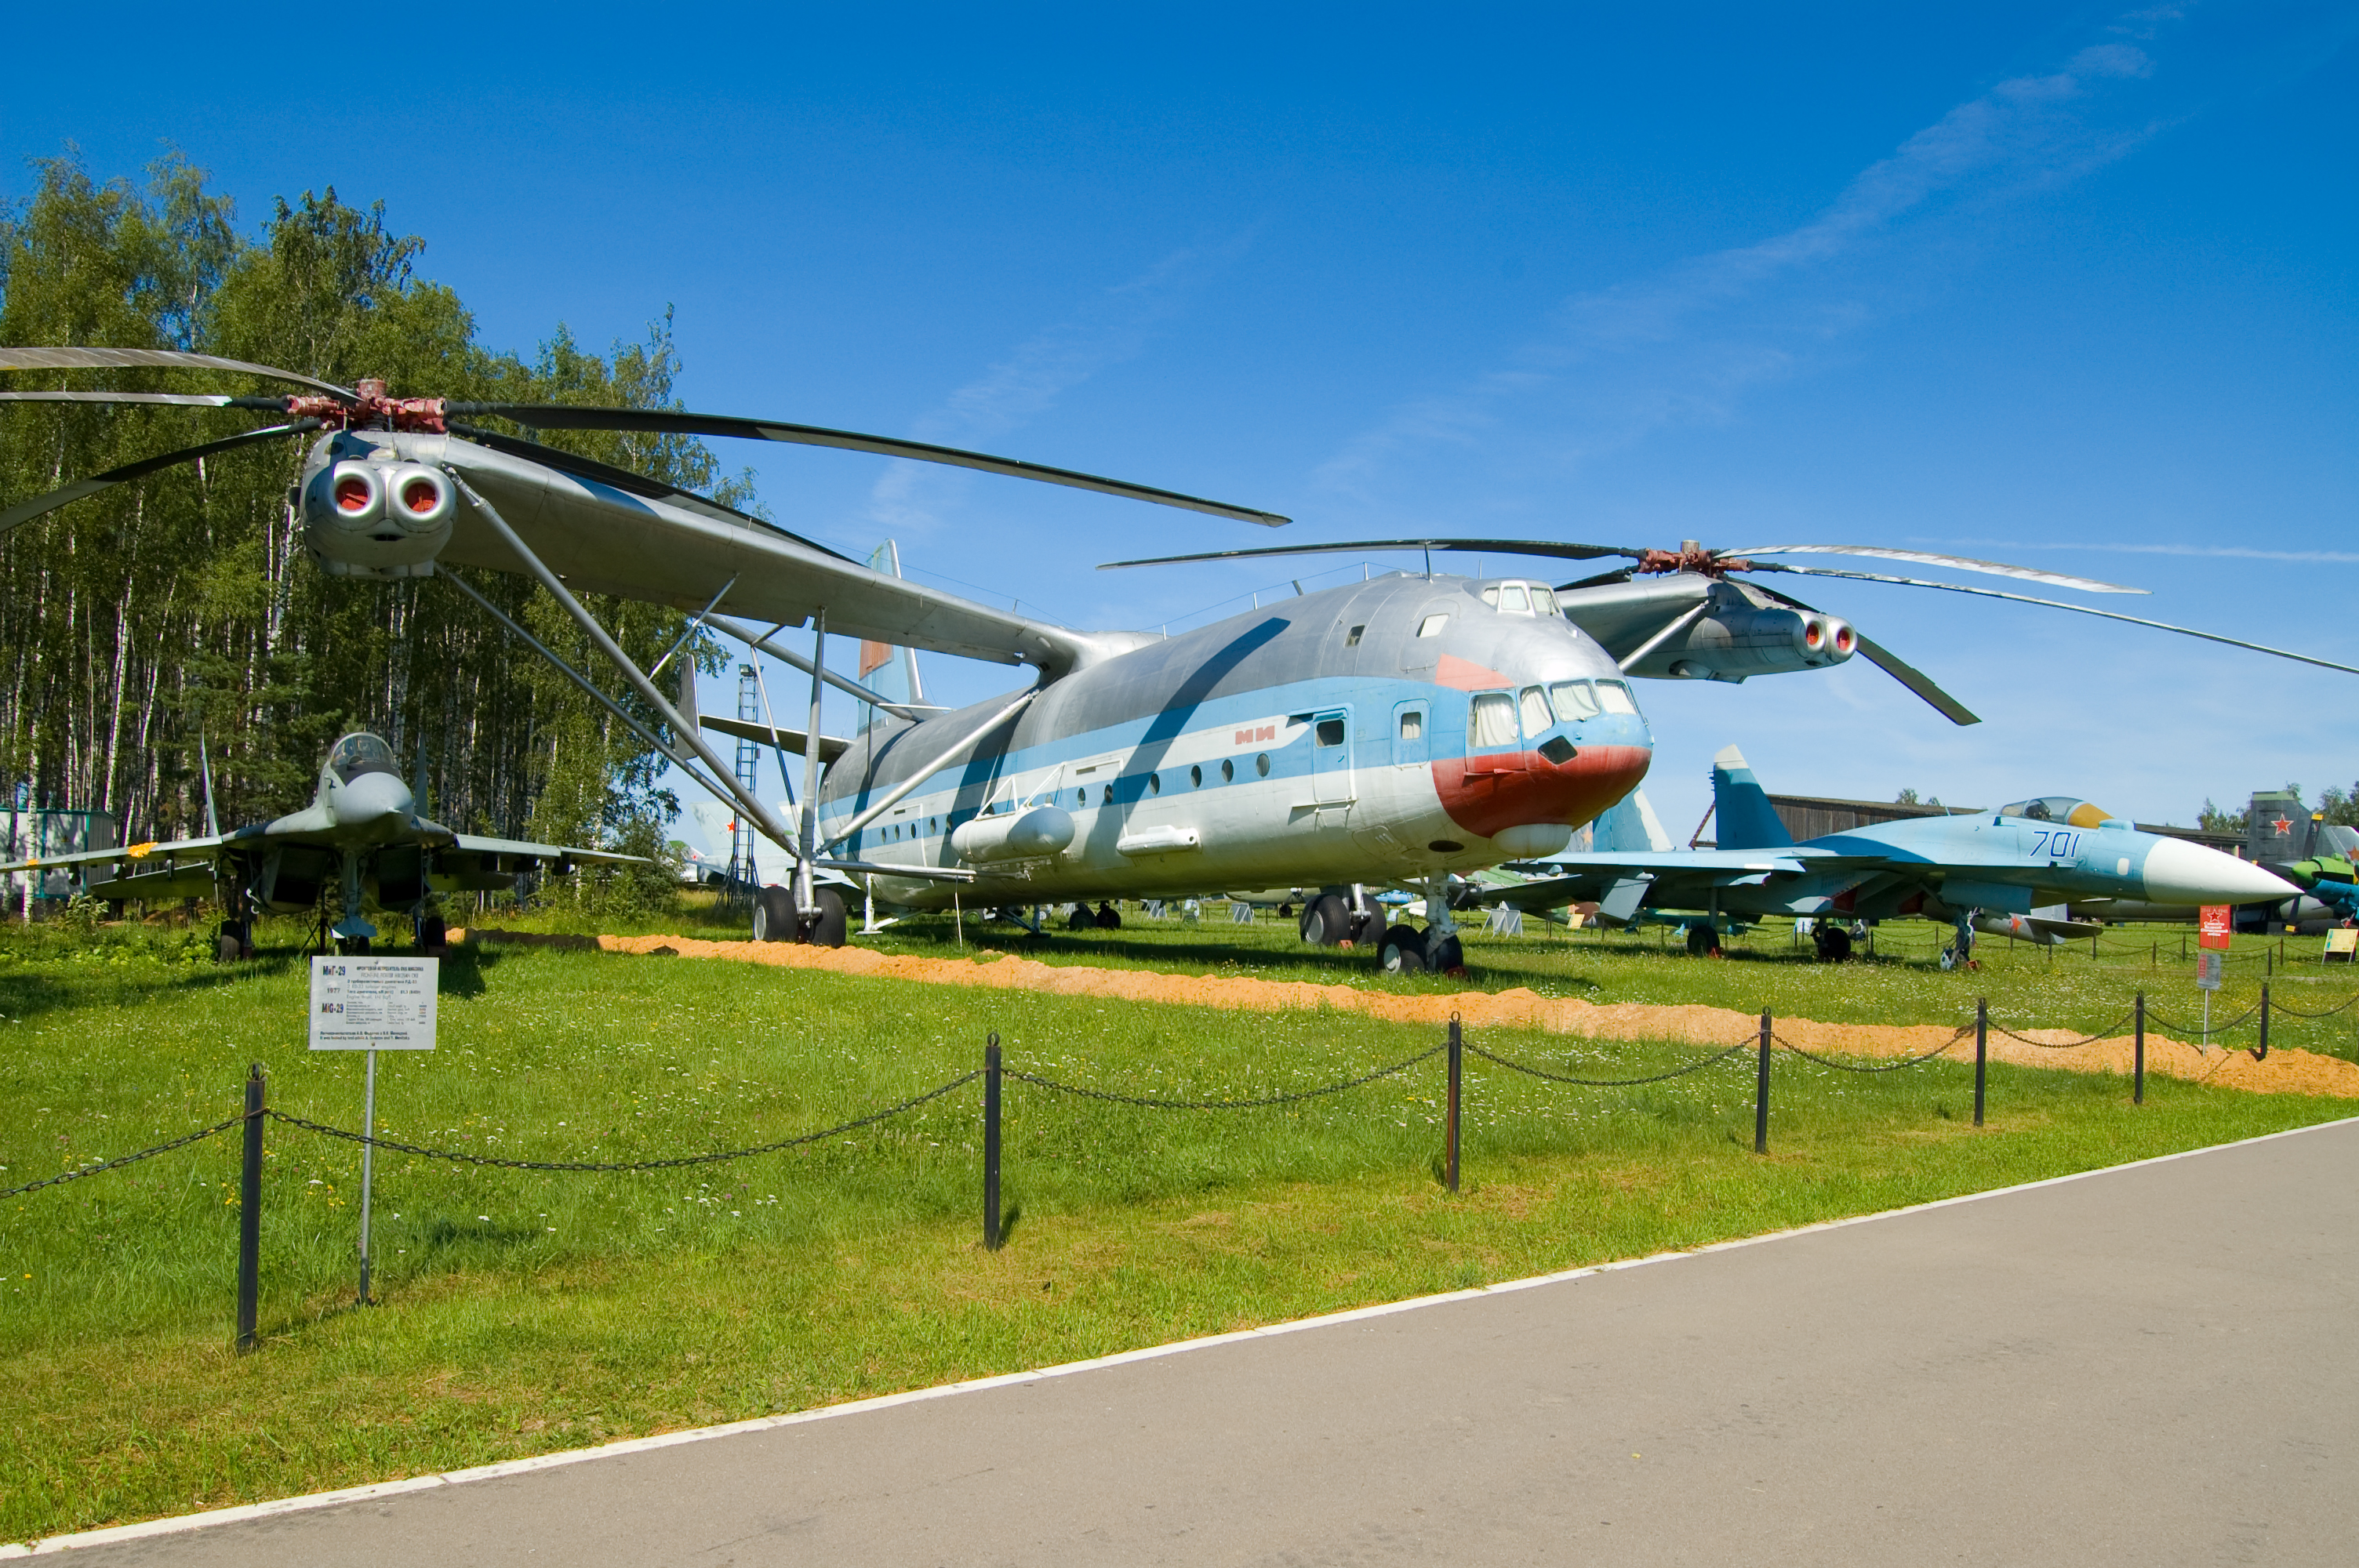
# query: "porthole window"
{"type": "Point", "coordinates": [1108, 797]}
{"type": "Point", "coordinates": [1261, 764]}
{"type": "Point", "coordinates": [1228, 770]}
{"type": "Point", "coordinates": [1195, 778]}
{"type": "Point", "coordinates": [1081, 797]}
{"type": "Point", "coordinates": [1352, 638]}
{"type": "Point", "coordinates": [1155, 784]}
{"type": "Point", "coordinates": [1432, 625]}
{"type": "Point", "coordinates": [1412, 724]}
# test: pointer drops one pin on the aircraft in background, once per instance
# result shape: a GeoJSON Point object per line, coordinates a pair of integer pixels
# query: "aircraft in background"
{"type": "Point", "coordinates": [361, 837]}
{"type": "Point", "coordinates": [1998, 872]}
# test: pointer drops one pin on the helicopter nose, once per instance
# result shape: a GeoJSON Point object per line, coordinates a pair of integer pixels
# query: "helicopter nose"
{"type": "Point", "coordinates": [2180, 872]}
{"type": "Point", "coordinates": [372, 798]}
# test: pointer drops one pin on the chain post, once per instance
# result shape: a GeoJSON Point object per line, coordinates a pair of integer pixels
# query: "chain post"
{"type": "Point", "coordinates": [2261, 1052]}
{"type": "Point", "coordinates": [1982, 1051]}
{"type": "Point", "coordinates": [249, 1215]}
{"type": "Point", "coordinates": [1457, 1064]}
{"type": "Point", "coordinates": [1761, 1092]}
{"type": "Point", "coordinates": [2138, 1058]}
{"type": "Point", "coordinates": [991, 1074]}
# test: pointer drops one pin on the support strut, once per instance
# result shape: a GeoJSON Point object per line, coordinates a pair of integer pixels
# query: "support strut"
{"type": "Point", "coordinates": [648, 692]}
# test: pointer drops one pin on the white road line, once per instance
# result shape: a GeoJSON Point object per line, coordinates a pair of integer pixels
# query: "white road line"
{"type": "Point", "coordinates": [766, 1423]}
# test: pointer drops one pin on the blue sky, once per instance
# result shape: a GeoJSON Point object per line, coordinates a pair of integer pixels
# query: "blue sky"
{"type": "Point", "coordinates": [2066, 285]}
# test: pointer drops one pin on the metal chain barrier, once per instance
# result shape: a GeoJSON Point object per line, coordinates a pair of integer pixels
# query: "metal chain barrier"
{"type": "Point", "coordinates": [717, 1157]}
{"type": "Point", "coordinates": [119, 1161]}
{"type": "Point", "coordinates": [2107, 1032]}
{"type": "Point", "coordinates": [2330, 1013]}
{"type": "Point", "coordinates": [1965, 1031]}
{"type": "Point", "coordinates": [2156, 1021]}
{"type": "Point", "coordinates": [1742, 1047]}
{"type": "Point", "coordinates": [1154, 1104]}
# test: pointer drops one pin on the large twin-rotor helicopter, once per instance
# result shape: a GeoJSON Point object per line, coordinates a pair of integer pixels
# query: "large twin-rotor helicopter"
{"type": "Point", "coordinates": [1393, 730]}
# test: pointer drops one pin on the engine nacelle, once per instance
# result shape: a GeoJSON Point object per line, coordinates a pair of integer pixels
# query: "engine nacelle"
{"type": "Point", "coordinates": [378, 515]}
{"type": "Point", "coordinates": [1733, 644]}
{"type": "Point", "coordinates": [1036, 835]}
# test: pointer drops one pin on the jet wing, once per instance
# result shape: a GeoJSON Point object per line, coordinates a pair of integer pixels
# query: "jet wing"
{"type": "Point", "coordinates": [1676, 878]}
{"type": "Point", "coordinates": [475, 845]}
{"type": "Point", "coordinates": [830, 747]}
{"type": "Point", "coordinates": [607, 531]}
{"type": "Point", "coordinates": [134, 854]}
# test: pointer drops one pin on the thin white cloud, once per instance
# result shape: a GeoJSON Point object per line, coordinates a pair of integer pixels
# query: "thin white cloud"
{"type": "Point", "coordinates": [1116, 325]}
{"type": "Point", "coordinates": [1681, 346]}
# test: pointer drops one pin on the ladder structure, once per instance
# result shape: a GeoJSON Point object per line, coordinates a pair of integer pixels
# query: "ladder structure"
{"type": "Point", "coordinates": [743, 878]}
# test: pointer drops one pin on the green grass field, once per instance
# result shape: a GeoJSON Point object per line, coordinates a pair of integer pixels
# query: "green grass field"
{"type": "Point", "coordinates": [529, 1311]}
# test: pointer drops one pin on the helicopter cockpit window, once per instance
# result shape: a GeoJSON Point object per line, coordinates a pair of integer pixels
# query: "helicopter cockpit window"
{"type": "Point", "coordinates": [358, 754]}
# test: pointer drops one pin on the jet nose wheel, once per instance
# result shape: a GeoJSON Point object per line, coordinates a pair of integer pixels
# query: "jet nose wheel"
{"type": "Point", "coordinates": [1704, 942]}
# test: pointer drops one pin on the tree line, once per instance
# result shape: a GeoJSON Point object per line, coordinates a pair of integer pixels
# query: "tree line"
{"type": "Point", "coordinates": [182, 608]}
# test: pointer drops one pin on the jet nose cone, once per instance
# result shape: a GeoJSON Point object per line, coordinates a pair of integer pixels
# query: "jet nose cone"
{"type": "Point", "coordinates": [372, 797]}
{"type": "Point", "coordinates": [2180, 872]}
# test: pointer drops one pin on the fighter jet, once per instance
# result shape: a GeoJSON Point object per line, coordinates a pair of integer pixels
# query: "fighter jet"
{"type": "Point", "coordinates": [1986, 872]}
{"type": "Point", "coordinates": [362, 835]}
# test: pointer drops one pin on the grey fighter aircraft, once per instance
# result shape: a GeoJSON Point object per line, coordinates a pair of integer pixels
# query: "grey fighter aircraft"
{"type": "Point", "coordinates": [1988, 872]}
{"type": "Point", "coordinates": [361, 837]}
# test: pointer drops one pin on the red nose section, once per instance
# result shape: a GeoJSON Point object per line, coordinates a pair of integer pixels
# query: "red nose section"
{"type": "Point", "coordinates": [1508, 789]}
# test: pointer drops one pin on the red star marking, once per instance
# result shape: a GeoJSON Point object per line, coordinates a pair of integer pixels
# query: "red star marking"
{"type": "Point", "coordinates": [2282, 826]}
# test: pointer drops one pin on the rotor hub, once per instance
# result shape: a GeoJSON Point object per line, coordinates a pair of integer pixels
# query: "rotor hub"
{"type": "Point", "coordinates": [372, 409]}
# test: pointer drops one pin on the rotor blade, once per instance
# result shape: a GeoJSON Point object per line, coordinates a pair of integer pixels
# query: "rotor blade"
{"type": "Point", "coordinates": [1958, 563]}
{"type": "Point", "coordinates": [42, 505]}
{"type": "Point", "coordinates": [2076, 608]}
{"type": "Point", "coordinates": [125, 359]}
{"type": "Point", "coordinates": [1602, 580]}
{"type": "Point", "coordinates": [1890, 662]}
{"type": "Point", "coordinates": [1488, 546]}
{"type": "Point", "coordinates": [625, 480]}
{"type": "Point", "coordinates": [664, 422]}
{"type": "Point", "coordinates": [186, 399]}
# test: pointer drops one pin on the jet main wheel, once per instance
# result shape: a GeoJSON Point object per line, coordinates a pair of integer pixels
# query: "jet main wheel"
{"type": "Point", "coordinates": [774, 914]}
{"type": "Point", "coordinates": [1082, 919]}
{"type": "Point", "coordinates": [1833, 944]}
{"type": "Point", "coordinates": [827, 924]}
{"type": "Point", "coordinates": [1443, 955]}
{"type": "Point", "coordinates": [1403, 951]}
{"type": "Point", "coordinates": [1704, 942]}
{"type": "Point", "coordinates": [1325, 921]}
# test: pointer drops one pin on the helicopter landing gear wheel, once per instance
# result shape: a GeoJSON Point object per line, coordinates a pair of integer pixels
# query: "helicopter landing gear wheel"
{"type": "Point", "coordinates": [774, 914]}
{"type": "Point", "coordinates": [827, 922]}
{"type": "Point", "coordinates": [1325, 921]}
{"type": "Point", "coordinates": [1402, 951]}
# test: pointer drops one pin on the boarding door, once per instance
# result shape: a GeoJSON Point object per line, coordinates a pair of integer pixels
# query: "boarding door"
{"type": "Point", "coordinates": [1330, 757]}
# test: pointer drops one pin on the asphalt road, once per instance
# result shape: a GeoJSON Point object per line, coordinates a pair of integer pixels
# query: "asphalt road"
{"type": "Point", "coordinates": [2155, 1364]}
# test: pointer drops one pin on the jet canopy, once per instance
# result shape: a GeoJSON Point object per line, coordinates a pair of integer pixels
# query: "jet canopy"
{"type": "Point", "coordinates": [2068, 809]}
{"type": "Point", "coordinates": [357, 755]}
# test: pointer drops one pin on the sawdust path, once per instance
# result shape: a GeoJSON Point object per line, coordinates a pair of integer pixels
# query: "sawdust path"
{"type": "Point", "coordinates": [2284, 1071]}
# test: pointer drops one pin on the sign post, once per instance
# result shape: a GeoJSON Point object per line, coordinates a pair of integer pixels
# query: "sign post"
{"type": "Point", "coordinates": [2213, 926]}
{"type": "Point", "coordinates": [372, 1004]}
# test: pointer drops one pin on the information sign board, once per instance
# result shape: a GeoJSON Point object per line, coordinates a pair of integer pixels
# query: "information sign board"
{"type": "Point", "coordinates": [2207, 970]}
{"type": "Point", "coordinates": [2211, 927]}
{"type": "Point", "coordinates": [373, 1004]}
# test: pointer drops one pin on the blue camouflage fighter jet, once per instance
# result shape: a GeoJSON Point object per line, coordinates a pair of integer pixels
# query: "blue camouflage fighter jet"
{"type": "Point", "coordinates": [1988, 872]}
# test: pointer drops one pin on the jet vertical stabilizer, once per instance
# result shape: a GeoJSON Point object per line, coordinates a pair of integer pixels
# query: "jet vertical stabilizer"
{"type": "Point", "coordinates": [1741, 808]}
{"type": "Point", "coordinates": [891, 671]}
{"type": "Point", "coordinates": [1628, 826]}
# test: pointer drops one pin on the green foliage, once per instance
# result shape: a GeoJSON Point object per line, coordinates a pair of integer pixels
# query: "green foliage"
{"type": "Point", "coordinates": [179, 606]}
{"type": "Point", "coordinates": [2212, 819]}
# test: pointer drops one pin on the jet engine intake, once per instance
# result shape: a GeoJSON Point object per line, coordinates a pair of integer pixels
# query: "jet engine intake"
{"type": "Point", "coordinates": [377, 516]}
{"type": "Point", "coordinates": [1732, 643]}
